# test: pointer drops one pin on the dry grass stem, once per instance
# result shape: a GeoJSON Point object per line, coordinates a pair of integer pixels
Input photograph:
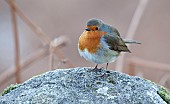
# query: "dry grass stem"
{"type": "Point", "coordinates": [28, 61]}
{"type": "Point", "coordinates": [16, 40]}
{"type": "Point", "coordinates": [132, 30]}
{"type": "Point", "coordinates": [51, 47]}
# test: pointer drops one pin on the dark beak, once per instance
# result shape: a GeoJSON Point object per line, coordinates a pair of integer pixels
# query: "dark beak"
{"type": "Point", "coordinates": [87, 29]}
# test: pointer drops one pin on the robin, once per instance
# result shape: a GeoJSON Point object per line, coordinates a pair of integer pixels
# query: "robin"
{"type": "Point", "coordinates": [101, 43]}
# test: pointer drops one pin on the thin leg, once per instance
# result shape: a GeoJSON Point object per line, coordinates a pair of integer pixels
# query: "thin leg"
{"type": "Point", "coordinates": [107, 65]}
{"type": "Point", "coordinates": [96, 67]}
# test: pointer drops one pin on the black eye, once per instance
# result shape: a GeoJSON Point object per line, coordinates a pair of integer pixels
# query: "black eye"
{"type": "Point", "coordinates": [97, 28]}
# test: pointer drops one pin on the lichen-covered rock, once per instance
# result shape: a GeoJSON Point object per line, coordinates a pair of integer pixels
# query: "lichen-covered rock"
{"type": "Point", "coordinates": [83, 86]}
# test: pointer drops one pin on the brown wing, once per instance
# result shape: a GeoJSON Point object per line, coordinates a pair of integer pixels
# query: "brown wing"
{"type": "Point", "coordinates": [116, 43]}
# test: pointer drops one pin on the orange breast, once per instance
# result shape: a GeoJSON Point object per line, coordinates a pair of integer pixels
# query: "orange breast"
{"type": "Point", "coordinates": [90, 40]}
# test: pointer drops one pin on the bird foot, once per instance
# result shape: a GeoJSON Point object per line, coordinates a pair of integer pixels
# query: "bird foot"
{"type": "Point", "coordinates": [94, 70]}
{"type": "Point", "coordinates": [104, 75]}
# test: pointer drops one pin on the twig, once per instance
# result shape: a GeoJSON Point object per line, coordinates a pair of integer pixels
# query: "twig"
{"type": "Point", "coordinates": [30, 59]}
{"type": "Point", "coordinates": [62, 57]}
{"type": "Point", "coordinates": [164, 79]}
{"type": "Point", "coordinates": [148, 64]}
{"type": "Point", "coordinates": [40, 53]}
{"type": "Point", "coordinates": [33, 58]}
{"type": "Point", "coordinates": [132, 29]}
{"type": "Point", "coordinates": [138, 62]}
{"type": "Point", "coordinates": [51, 60]}
{"type": "Point", "coordinates": [16, 40]}
{"type": "Point", "coordinates": [54, 46]}
{"type": "Point", "coordinates": [42, 36]}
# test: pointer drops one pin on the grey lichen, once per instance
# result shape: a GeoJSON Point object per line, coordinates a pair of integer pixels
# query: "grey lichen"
{"type": "Point", "coordinates": [83, 86]}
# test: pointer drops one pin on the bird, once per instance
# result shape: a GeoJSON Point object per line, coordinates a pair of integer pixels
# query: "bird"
{"type": "Point", "coordinates": [101, 43]}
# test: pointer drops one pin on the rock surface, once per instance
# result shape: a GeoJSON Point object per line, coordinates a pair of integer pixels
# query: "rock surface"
{"type": "Point", "coordinates": [83, 86]}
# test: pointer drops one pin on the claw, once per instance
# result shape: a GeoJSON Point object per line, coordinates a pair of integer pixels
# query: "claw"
{"type": "Point", "coordinates": [95, 69]}
{"type": "Point", "coordinates": [104, 75]}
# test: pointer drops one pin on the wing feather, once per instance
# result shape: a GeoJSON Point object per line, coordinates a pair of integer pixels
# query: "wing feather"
{"type": "Point", "coordinates": [116, 43]}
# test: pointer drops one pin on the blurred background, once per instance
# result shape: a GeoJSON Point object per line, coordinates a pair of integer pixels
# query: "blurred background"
{"type": "Point", "coordinates": [40, 35]}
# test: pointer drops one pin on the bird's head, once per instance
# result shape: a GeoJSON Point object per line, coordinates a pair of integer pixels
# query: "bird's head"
{"type": "Point", "coordinates": [93, 24]}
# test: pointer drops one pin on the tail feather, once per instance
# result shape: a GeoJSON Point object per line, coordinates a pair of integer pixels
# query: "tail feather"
{"type": "Point", "coordinates": [131, 41]}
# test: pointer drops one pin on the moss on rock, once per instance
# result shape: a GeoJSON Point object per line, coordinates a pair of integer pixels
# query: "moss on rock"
{"type": "Point", "coordinates": [8, 89]}
{"type": "Point", "coordinates": [164, 94]}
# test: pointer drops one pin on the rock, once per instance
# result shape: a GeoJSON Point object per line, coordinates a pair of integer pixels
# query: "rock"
{"type": "Point", "coordinates": [84, 86]}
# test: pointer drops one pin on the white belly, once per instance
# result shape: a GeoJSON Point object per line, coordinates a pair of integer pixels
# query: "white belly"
{"type": "Point", "coordinates": [104, 56]}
